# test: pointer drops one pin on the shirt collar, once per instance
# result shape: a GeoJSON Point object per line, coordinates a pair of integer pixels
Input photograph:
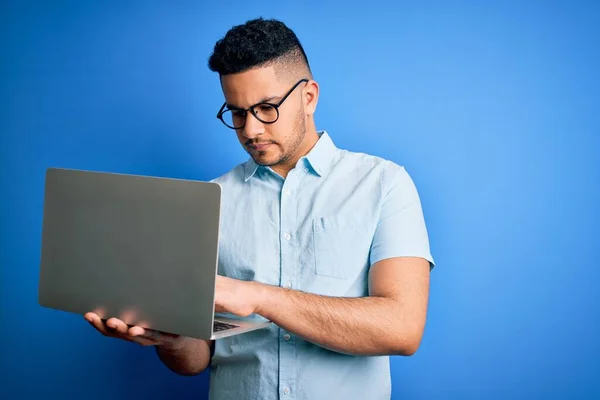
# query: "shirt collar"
{"type": "Point", "coordinates": [320, 157]}
{"type": "Point", "coordinates": [250, 169]}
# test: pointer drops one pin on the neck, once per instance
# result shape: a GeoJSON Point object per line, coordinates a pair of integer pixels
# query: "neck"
{"type": "Point", "coordinates": [306, 146]}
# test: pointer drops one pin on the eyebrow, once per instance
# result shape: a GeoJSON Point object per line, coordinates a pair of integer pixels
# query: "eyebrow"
{"type": "Point", "coordinates": [264, 100]}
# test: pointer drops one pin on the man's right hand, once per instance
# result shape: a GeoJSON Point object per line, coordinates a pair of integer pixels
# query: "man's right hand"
{"type": "Point", "coordinates": [115, 328]}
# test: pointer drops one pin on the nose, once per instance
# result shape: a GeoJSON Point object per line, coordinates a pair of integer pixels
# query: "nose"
{"type": "Point", "coordinates": [253, 127]}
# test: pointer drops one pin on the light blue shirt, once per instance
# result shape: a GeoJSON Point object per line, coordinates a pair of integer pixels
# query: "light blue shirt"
{"type": "Point", "coordinates": [317, 231]}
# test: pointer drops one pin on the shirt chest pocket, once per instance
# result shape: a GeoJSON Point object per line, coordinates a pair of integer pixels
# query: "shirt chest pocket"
{"type": "Point", "coordinates": [340, 246]}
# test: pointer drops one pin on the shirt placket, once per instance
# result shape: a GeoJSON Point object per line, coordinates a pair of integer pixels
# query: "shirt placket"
{"type": "Point", "coordinates": [288, 279]}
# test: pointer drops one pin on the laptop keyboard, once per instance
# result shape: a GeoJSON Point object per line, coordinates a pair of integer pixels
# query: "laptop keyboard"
{"type": "Point", "coordinates": [222, 326]}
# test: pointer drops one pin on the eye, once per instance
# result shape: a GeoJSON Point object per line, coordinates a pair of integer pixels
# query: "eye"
{"type": "Point", "coordinates": [266, 108]}
{"type": "Point", "coordinates": [238, 113]}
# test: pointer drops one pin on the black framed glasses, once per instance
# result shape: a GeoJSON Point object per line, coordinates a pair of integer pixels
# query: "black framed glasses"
{"type": "Point", "coordinates": [265, 112]}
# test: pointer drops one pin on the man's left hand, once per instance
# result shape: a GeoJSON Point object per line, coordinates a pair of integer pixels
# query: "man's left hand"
{"type": "Point", "coordinates": [236, 297]}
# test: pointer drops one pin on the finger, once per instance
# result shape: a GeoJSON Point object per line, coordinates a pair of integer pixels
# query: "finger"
{"type": "Point", "coordinates": [156, 337]}
{"type": "Point", "coordinates": [117, 326]}
{"type": "Point", "coordinates": [151, 333]}
{"type": "Point", "coordinates": [145, 337]}
{"type": "Point", "coordinates": [97, 323]}
{"type": "Point", "coordinates": [101, 327]}
{"type": "Point", "coordinates": [90, 317]}
{"type": "Point", "coordinates": [219, 308]}
{"type": "Point", "coordinates": [137, 331]}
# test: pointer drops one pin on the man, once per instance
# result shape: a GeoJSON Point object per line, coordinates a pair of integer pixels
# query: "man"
{"type": "Point", "coordinates": [328, 244]}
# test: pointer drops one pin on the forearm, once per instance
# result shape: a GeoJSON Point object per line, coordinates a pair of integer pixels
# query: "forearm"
{"type": "Point", "coordinates": [361, 326]}
{"type": "Point", "coordinates": [191, 359]}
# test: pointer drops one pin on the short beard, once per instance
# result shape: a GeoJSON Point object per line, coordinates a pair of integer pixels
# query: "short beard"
{"type": "Point", "coordinates": [298, 138]}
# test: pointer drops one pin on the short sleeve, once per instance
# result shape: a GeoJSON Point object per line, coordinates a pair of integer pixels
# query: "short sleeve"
{"type": "Point", "coordinates": [401, 229]}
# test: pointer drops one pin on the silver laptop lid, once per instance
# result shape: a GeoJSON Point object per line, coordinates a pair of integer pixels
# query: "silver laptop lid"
{"type": "Point", "coordinates": [142, 249]}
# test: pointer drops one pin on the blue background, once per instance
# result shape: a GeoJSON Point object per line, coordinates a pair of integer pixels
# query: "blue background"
{"type": "Point", "coordinates": [493, 108]}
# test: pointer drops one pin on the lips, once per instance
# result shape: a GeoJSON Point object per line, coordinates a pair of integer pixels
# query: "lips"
{"type": "Point", "coordinates": [259, 146]}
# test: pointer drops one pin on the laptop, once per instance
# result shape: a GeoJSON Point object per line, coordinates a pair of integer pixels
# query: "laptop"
{"type": "Point", "coordinates": [139, 248]}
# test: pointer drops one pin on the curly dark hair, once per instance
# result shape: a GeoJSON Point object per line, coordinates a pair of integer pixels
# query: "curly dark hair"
{"type": "Point", "coordinates": [257, 43]}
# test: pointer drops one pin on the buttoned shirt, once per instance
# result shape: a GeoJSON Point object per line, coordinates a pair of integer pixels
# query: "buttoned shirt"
{"type": "Point", "coordinates": [319, 231]}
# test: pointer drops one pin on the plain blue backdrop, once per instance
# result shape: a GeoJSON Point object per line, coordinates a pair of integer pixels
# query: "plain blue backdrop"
{"type": "Point", "coordinates": [493, 108]}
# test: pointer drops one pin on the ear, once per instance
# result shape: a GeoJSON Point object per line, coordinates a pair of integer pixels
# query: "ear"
{"type": "Point", "coordinates": [310, 95]}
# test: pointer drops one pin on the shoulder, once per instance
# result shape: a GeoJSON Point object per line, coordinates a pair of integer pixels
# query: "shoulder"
{"type": "Point", "coordinates": [234, 176]}
{"type": "Point", "coordinates": [388, 172]}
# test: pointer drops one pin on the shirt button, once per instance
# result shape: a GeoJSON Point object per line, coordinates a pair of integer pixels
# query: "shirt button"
{"type": "Point", "coordinates": [287, 236]}
{"type": "Point", "coordinates": [305, 169]}
{"type": "Point", "coordinates": [286, 336]}
{"type": "Point", "coordinates": [286, 391]}
{"type": "Point", "coordinates": [287, 192]}
{"type": "Point", "coordinates": [289, 284]}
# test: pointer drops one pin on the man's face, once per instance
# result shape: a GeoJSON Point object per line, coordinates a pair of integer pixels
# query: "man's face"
{"type": "Point", "coordinates": [279, 143]}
